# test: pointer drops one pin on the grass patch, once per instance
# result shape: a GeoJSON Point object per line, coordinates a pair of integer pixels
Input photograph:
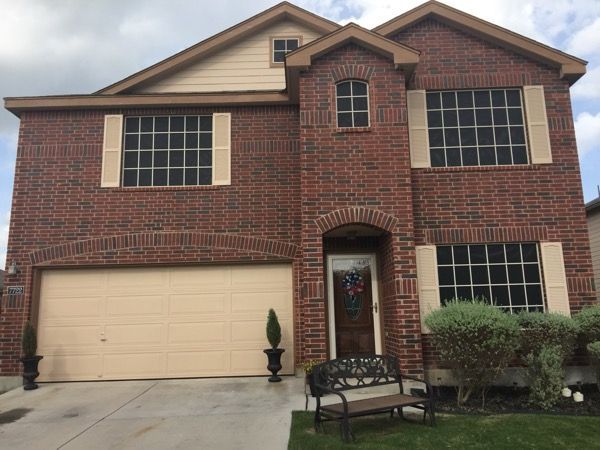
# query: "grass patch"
{"type": "Point", "coordinates": [506, 431]}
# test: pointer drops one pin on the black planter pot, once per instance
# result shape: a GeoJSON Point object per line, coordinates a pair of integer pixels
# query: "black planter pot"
{"type": "Point", "coordinates": [30, 372]}
{"type": "Point", "coordinates": [274, 366]}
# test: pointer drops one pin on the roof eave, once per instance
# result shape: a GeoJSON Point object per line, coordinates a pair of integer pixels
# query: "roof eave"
{"type": "Point", "coordinates": [17, 105]}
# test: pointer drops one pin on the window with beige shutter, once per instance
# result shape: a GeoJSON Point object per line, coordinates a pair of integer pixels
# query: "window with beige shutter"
{"type": "Point", "coordinates": [222, 149]}
{"type": "Point", "coordinates": [537, 124]}
{"type": "Point", "coordinates": [111, 151]}
{"type": "Point", "coordinates": [427, 279]}
{"type": "Point", "coordinates": [417, 129]}
{"type": "Point", "coordinates": [555, 279]}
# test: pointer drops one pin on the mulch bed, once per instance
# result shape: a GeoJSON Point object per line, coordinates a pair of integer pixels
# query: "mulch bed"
{"type": "Point", "coordinates": [501, 400]}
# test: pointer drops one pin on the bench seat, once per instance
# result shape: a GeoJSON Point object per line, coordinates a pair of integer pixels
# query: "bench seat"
{"type": "Point", "coordinates": [373, 405]}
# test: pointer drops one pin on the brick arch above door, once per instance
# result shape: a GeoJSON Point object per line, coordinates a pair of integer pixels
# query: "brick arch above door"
{"type": "Point", "coordinates": [346, 216]}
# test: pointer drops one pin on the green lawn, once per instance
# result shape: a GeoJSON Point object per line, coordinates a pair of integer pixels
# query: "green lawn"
{"type": "Point", "coordinates": [507, 431]}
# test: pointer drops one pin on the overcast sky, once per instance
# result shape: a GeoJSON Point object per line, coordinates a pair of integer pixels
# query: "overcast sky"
{"type": "Point", "coordinates": [77, 47]}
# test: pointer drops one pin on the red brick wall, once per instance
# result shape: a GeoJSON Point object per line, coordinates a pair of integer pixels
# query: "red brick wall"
{"type": "Point", "coordinates": [366, 168]}
{"type": "Point", "coordinates": [538, 203]}
{"type": "Point", "coordinates": [57, 199]}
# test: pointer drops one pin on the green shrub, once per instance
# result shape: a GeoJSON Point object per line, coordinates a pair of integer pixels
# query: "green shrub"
{"type": "Point", "coordinates": [593, 349]}
{"type": "Point", "coordinates": [273, 329]}
{"type": "Point", "coordinates": [547, 330]}
{"type": "Point", "coordinates": [477, 341]}
{"type": "Point", "coordinates": [545, 372]}
{"type": "Point", "coordinates": [588, 320]}
{"type": "Point", "coordinates": [29, 340]}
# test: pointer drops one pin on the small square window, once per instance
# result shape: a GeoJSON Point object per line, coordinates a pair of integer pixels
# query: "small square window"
{"type": "Point", "coordinates": [282, 46]}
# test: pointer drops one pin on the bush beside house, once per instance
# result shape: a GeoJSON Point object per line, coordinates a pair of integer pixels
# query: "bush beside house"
{"type": "Point", "coordinates": [478, 341]}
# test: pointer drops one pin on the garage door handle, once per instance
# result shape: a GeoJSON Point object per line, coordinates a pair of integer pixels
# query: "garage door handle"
{"type": "Point", "coordinates": [102, 337]}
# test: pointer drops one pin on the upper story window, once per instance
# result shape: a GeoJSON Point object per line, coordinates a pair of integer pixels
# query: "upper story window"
{"type": "Point", "coordinates": [508, 275]}
{"type": "Point", "coordinates": [352, 98]}
{"type": "Point", "coordinates": [282, 46]}
{"type": "Point", "coordinates": [476, 128]}
{"type": "Point", "coordinates": [168, 151]}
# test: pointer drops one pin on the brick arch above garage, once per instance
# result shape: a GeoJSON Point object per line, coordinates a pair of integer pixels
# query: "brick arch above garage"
{"type": "Point", "coordinates": [222, 241]}
{"type": "Point", "coordinates": [346, 216]}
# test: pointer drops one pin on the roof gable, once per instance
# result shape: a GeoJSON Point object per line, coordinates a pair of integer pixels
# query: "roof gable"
{"type": "Point", "coordinates": [403, 56]}
{"type": "Point", "coordinates": [281, 11]}
{"type": "Point", "coordinates": [571, 68]}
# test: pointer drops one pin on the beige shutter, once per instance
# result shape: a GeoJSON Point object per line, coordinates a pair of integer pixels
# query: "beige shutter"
{"type": "Point", "coordinates": [557, 296]}
{"type": "Point", "coordinates": [222, 148]}
{"type": "Point", "coordinates": [427, 278]}
{"type": "Point", "coordinates": [111, 151]}
{"type": "Point", "coordinates": [418, 135]}
{"type": "Point", "coordinates": [537, 125]}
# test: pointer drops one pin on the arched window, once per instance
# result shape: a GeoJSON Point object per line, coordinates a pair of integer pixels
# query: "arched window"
{"type": "Point", "coordinates": [352, 99]}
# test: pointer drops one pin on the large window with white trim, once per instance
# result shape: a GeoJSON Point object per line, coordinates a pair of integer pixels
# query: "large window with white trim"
{"type": "Point", "coordinates": [352, 101]}
{"type": "Point", "coordinates": [483, 127]}
{"type": "Point", "coordinates": [506, 275]}
{"type": "Point", "coordinates": [167, 151]}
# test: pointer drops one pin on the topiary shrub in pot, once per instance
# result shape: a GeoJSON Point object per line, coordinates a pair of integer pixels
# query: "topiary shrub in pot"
{"type": "Point", "coordinates": [476, 341]}
{"type": "Point", "coordinates": [547, 341]}
{"type": "Point", "coordinates": [30, 360]}
{"type": "Point", "coordinates": [273, 353]}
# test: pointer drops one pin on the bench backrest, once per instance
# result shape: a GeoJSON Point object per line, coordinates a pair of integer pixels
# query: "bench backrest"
{"type": "Point", "coordinates": [355, 372]}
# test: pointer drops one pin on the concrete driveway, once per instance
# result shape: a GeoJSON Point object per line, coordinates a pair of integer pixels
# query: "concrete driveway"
{"type": "Point", "coordinates": [224, 413]}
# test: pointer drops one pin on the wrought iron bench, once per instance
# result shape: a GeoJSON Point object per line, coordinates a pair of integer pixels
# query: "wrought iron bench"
{"type": "Point", "coordinates": [363, 372]}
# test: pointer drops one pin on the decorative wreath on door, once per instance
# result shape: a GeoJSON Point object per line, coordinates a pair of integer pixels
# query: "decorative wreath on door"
{"type": "Point", "coordinates": [353, 287]}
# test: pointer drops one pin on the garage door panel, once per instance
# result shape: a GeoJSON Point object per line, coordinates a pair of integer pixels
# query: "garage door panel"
{"type": "Point", "coordinates": [133, 365]}
{"type": "Point", "coordinates": [205, 279]}
{"type": "Point", "coordinates": [212, 303]}
{"type": "Point", "coordinates": [198, 332]}
{"type": "Point", "coordinates": [83, 282]}
{"type": "Point", "coordinates": [162, 322]}
{"type": "Point", "coordinates": [135, 305]}
{"type": "Point", "coordinates": [72, 307]}
{"type": "Point", "coordinates": [132, 280]}
{"type": "Point", "coordinates": [54, 338]}
{"type": "Point", "coordinates": [181, 364]}
{"type": "Point", "coordinates": [135, 334]}
{"type": "Point", "coordinates": [70, 367]}
{"type": "Point", "coordinates": [272, 276]}
{"type": "Point", "coordinates": [261, 302]}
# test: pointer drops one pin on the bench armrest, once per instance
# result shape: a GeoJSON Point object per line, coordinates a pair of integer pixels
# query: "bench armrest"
{"type": "Point", "coordinates": [429, 389]}
{"type": "Point", "coordinates": [320, 387]}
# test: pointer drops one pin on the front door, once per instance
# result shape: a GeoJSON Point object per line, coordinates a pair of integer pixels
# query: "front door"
{"type": "Point", "coordinates": [354, 315]}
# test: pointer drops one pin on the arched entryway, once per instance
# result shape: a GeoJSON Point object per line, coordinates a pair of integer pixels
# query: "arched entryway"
{"type": "Point", "coordinates": [354, 270]}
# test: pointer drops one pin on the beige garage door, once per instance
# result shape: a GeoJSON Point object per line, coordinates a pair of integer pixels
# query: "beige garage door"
{"type": "Point", "coordinates": [112, 324]}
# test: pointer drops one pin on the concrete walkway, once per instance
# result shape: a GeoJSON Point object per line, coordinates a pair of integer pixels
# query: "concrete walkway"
{"type": "Point", "coordinates": [225, 413]}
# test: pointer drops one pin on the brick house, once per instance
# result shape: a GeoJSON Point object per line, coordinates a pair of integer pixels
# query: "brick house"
{"type": "Point", "coordinates": [352, 179]}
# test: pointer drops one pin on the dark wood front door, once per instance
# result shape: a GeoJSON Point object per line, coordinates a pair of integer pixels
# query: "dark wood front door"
{"type": "Point", "coordinates": [353, 302]}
